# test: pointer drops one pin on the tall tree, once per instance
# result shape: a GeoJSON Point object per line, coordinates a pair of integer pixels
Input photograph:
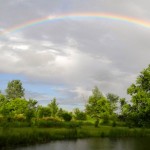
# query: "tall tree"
{"type": "Point", "coordinates": [79, 115]}
{"type": "Point", "coordinates": [15, 89]}
{"type": "Point", "coordinates": [43, 112]}
{"type": "Point", "coordinates": [31, 109]}
{"type": "Point", "coordinates": [53, 107]}
{"type": "Point", "coordinates": [9, 109]}
{"type": "Point", "coordinates": [98, 106]}
{"type": "Point", "coordinates": [140, 98]}
{"type": "Point", "coordinates": [122, 102]}
{"type": "Point", "coordinates": [113, 98]}
{"type": "Point", "coordinates": [3, 105]}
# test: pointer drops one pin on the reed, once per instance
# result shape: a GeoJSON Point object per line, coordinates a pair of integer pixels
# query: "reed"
{"type": "Point", "coordinates": [28, 136]}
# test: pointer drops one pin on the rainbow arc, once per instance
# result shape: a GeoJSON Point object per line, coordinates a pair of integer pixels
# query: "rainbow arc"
{"type": "Point", "coordinates": [109, 16]}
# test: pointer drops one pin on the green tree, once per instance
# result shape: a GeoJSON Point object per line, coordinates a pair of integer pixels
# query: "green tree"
{"type": "Point", "coordinates": [2, 99]}
{"type": "Point", "coordinates": [98, 106]}
{"type": "Point", "coordinates": [122, 102]}
{"type": "Point", "coordinates": [4, 111]}
{"type": "Point", "coordinates": [67, 116]}
{"type": "Point", "coordinates": [15, 89]}
{"type": "Point", "coordinates": [113, 98]}
{"type": "Point", "coordinates": [17, 106]}
{"type": "Point", "coordinates": [140, 98]}
{"type": "Point", "coordinates": [43, 112]}
{"type": "Point", "coordinates": [79, 115]}
{"type": "Point", "coordinates": [53, 107]}
{"type": "Point", "coordinates": [31, 109]}
{"type": "Point", "coordinates": [60, 113]}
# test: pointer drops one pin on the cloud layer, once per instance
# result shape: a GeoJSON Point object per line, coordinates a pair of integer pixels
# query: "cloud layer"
{"type": "Point", "coordinates": [69, 57]}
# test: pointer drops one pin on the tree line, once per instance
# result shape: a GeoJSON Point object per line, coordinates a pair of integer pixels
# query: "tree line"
{"type": "Point", "coordinates": [14, 106]}
{"type": "Point", "coordinates": [100, 108]}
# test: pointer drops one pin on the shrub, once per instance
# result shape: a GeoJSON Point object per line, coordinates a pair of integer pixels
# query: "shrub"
{"type": "Point", "coordinates": [19, 117]}
{"type": "Point", "coordinates": [50, 119]}
{"type": "Point", "coordinates": [67, 116]}
{"type": "Point", "coordinates": [1, 118]}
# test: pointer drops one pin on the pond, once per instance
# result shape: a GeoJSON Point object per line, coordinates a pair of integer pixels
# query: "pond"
{"type": "Point", "coordinates": [94, 144]}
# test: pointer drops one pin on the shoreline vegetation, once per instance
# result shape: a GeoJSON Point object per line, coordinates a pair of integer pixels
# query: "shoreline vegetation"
{"type": "Point", "coordinates": [25, 122]}
{"type": "Point", "coordinates": [14, 137]}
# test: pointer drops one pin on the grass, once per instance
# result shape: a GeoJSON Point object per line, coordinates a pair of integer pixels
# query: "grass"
{"type": "Point", "coordinates": [107, 131]}
{"type": "Point", "coordinates": [43, 124]}
{"type": "Point", "coordinates": [28, 136]}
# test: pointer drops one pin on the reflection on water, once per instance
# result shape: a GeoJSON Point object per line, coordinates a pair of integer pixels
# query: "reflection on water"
{"type": "Point", "coordinates": [95, 144]}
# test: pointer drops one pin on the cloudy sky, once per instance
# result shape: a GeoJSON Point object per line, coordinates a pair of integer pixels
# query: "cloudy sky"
{"type": "Point", "coordinates": [66, 58]}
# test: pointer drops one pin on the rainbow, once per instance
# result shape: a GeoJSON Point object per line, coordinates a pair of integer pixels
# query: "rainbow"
{"type": "Point", "coordinates": [139, 22]}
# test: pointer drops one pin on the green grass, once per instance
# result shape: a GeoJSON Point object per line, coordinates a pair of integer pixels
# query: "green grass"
{"type": "Point", "coordinates": [25, 136]}
{"type": "Point", "coordinates": [28, 136]}
{"type": "Point", "coordinates": [108, 131]}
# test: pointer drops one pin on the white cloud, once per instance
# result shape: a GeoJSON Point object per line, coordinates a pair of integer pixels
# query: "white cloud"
{"type": "Point", "coordinates": [77, 54]}
{"type": "Point", "coordinates": [20, 47]}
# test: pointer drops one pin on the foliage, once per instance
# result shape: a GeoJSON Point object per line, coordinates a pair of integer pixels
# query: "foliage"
{"type": "Point", "coordinates": [2, 99]}
{"type": "Point", "coordinates": [15, 89]}
{"type": "Point", "coordinates": [3, 105]}
{"type": "Point", "coordinates": [19, 117]}
{"type": "Point", "coordinates": [31, 109]}
{"type": "Point", "coordinates": [113, 99]}
{"type": "Point", "coordinates": [18, 111]}
{"type": "Point", "coordinates": [53, 107]}
{"type": "Point", "coordinates": [98, 106]}
{"type": "Point", "coordinates": [43, 111]}
{"type": "Point", "coordinates": [67, 116]}
{"type": "Point", "coordinates": [60, 113]}
{"type": "Point", "coordinates": [140, 98]}
{"type": "Point", "coordinates": [122, 102]}
{"type": "Point", "coordinates": [11, 108]}
{"type": "Point", "coordinates": [50, 123]}
{"type": "Point", "coordinates": [79, 115]}
{"type": "Point", "coordinates": [17, 107]}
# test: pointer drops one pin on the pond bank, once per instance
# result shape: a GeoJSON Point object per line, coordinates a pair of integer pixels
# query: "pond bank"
{"type": "Point", "coordinates": [29, 136]}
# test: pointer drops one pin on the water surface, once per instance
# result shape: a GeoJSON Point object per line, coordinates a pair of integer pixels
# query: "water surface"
{"type": "Point", "coordinates": [94, 144]}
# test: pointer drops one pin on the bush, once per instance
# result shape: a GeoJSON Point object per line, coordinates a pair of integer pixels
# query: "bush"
{"type": "Point", "coordinates": [19, 117]}
{"type": "Point", "coordinates": [57, 124]}
{"type": "Point", "coordinates": [15, 124]}
{"type": "Point", "coordinates": [80, 115]}
{"type": "Point", "coordinates": [1, 118]}
{"type": "Point", "coordinates": [67, 116]}
{"type": "Point", "coordinates": [48, 124]}
{"type": "Point", "coordinates": [50, 119]}
{"type": "Point", "coordinates": [114, 124]}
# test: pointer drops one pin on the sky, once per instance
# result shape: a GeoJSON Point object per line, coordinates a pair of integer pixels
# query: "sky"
{"type": "Point", "coordinates": [66, 57]}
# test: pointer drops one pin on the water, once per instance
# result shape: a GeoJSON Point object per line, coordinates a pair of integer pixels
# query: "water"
{"type": "Point", "coordinates": [95, 144]}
